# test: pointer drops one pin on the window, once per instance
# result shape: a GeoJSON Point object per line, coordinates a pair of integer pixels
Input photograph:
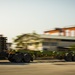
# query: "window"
{"type": "Point", "coordinates": [53, 43]}
{"type": "Point", "coordinates": [50, 43]}
{"type": "Point", "coordinates": [46, 43]}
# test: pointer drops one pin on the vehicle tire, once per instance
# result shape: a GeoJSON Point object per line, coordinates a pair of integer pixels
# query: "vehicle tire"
{"type": "Point", "coordinates": [68, 57]}
{"type": "Point", "coordinates": [17, 58]}
{"type": "Point", "coordinates": [10, 57]}
{"type": "Point", "coordinates": [73, 57]}
{"type": "Point", "coordinates": [26, 58]}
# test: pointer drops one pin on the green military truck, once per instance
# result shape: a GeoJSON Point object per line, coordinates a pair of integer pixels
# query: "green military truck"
{"type": "Point", "coordinates": [27, 57]}
{"type": "Point", "coordinates": [16, 57]}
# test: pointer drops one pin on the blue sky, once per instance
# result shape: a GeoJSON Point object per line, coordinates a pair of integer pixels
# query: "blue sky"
{"type": "Point", "coordinates": [25, 16]}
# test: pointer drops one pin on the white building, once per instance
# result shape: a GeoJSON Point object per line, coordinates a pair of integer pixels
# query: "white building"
{"type": "Point", "coordinates": [54, 42]}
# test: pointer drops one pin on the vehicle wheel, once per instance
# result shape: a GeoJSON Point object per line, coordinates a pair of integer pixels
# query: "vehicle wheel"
{"type": "Point", "coordinates": [10, 57]}
{"type": "Point", "coordinates": [68, 57]}
{"type": "Point", "coordinates": [17, 58]}
{"type": "Point", "coordinates": [73, 58]}
{"type": "Point", "coordinates": [26, 58]}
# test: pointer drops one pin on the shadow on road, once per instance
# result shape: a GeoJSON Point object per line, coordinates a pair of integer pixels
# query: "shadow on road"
{"type": "Point", "coordinates": [10, 63]}
{"type": "Point", "coordinates": [54, 62]}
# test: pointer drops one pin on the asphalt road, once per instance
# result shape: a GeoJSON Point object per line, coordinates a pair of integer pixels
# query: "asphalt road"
{"type": "Point", "coordinates": [38, 67]}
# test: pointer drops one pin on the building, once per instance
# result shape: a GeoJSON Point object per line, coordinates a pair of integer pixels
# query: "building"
{"type": "Point", "coordinates": [59, 38]}
{"type": "Point", "coordinates": [54, 42]}
{"type": "Point", "coordinates": [65, 31]}
{"type": "Point", "coordinates": [39, 42]}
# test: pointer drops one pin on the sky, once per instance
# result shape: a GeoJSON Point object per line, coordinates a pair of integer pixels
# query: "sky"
{"type": "Point", "coordinates": [26, 16]}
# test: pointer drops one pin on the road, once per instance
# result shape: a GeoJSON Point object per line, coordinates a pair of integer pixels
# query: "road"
{"type": "Point", "coordinates": [38, 67]}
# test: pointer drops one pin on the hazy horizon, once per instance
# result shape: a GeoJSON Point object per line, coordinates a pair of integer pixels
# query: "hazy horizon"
{"type": "Point", "coordinates": [25, 16]}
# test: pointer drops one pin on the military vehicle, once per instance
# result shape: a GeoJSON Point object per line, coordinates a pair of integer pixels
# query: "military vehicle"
{"type": "Point", "coordinates": [26, 57]}
{"type": "Point", "coordinates": [67, 55]}
{"type": "Point", "coordinates": [16, 57]}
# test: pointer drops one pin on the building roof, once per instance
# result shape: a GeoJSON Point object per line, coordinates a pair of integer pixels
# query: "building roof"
{"type": "Point", "coordinates": [48, 36]}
